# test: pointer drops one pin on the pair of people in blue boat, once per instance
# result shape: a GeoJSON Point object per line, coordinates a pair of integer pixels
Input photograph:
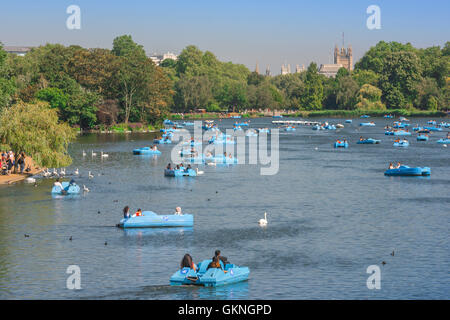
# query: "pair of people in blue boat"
{"type": "Point", "coordinates": [126, 213]}
{"type": "Point", "coordinates": [59, 184]}
{"type": "Point", "coordinates": [187, 261]}
{"type": "Point", "coordinates": [179, 167]}
{"type": "Point", "coordinates": [391, 166]}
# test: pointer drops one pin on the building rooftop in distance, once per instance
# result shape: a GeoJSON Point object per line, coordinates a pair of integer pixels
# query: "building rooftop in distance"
{"type": "Point", "coordinates": [330, 70]}
{"type": "Point", "coordinates": [21, 51]}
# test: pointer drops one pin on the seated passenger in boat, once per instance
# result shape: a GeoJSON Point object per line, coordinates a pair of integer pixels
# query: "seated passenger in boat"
{"type": "Point", "coordinates": [398, 165]}
{"type": "Point", "coordinates": [178, 211]}
{"type": "Point", "coordinates": [187, 262]}
{"type": "Point", "coordinates": [221, 258]}
{"type": "Point", "coordinates": [126, 212]}
{"type": "Point", "coordinates": [361, 139]}
{"type": "Point", "coordinates": [391, 166]}
{"type": "Point", "coordinates": [59, 184]}
{"type": "Point", "coordinates": [214, 264]}
{"type": "Point", "coordinates": [169, 167]}
{"type": "Point", "coordinates": [138, 213]}
{"type": "Point", "coordinates": [154, 148]}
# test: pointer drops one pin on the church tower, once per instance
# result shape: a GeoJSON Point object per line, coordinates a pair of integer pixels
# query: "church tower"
{"type": "Point", "coordinates": [344, 57]}
{"type": "Point", "coordinates": [268, 74]}
{"type": "Point", "coordinates": [257, 68]}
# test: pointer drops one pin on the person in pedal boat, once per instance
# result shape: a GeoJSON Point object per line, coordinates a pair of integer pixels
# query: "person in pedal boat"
{"type": "Point", "coordinates": [138, 213]}
{"type": "Point", "coordinates": [187, 262]}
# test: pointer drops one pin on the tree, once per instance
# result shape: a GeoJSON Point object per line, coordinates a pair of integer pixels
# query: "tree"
{"type": "Point", "coordinates": [399, 77]}
{"type": "Point", "coordinates": [369, 98]}
{"type": "Point", "coordinates": [312, 95]}
{"type": "Point", "coordinates": [125, 46]}
{"type": "Point", "coordinates": [36, 130]}
{"type": "Point", "coordinates": [7, 87]}
{"type": "Point", "coordinates": [346, 92]}
{"type": "Point", "coordinates": [428, 95]}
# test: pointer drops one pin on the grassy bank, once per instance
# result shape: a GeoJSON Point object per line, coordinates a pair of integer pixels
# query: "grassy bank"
{"type": "Point", "coordinates": [358, 113]}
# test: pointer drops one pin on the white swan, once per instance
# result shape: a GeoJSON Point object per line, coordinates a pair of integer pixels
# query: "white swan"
{"type": "Point", "coordinates": [76, 172]}
{"type": "Point", "coordinates": [46, 173]}
{"type": "Point", "coordinates": [55, 172]}
{"type": "Point", "coordinates": [199, 172]}
{"type": "Point", "coordinates": [90, 175]}
{"type": "Point", "coordinates": [62, 172]}
{"type": "Point", "coordinates": [30, 180]}
{"type": "Point", "coordinates": [104, 155]}
{"type": "Point", "coordinates": [84, 153]}
{"type": "Point", "coordinates": [93, 153]}
{"type": "Point", "coordinates": [263, 222]}
{"type": "Point", "coordinates": [85, 189]}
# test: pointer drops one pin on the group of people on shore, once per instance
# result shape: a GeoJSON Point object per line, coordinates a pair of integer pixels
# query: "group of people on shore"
{"type": "Point", "coordinates": [9, 160]}
{"type": "Point", "coordinates": [187, 262]}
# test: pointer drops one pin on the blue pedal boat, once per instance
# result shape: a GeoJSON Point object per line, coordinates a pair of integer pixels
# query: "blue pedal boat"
{"type": "Point", "coordinates": [365, 116]}
{"type": "Point", "coordinates": [145, 150]}
{"type": "Point", "coordinates": [341, 144]}
{"type": "Point", "coordinates": [289, 129]}
{"type": "Point", "coordinates": [443, 141]}
{"type": "Point", "coordinates": [348, 121]}
{"type": "Point", "coordinates": [401, 133]}
{"type": "Point", "coordinates": [367, 124]}
{"type": "Point", "coordinates": [401, 144]}
{"type": "Point", "coordinates": [162, 141]}
{"type": "Point", "coordinates": [222, 159]}
{"type": "Point", "coordinates": [422, 138]}
{"type": "Point", "coordinates": [407, 171]}
{"type": "Point", "coordinates": [369, 141]}
{"type": "Point", "coordinates": [388, 116]}
{"type": "Point", "coordinates": [149, 219]}
{"type": "Point", "coordinates": [72, 189]}
{"type": "Point", "coordinates": [433, 128]}
{"type": "Point", "coordinates": [212, 277]}
{"type": "Point", "coordinates": [180, 172]}
{"type": "Point", "coordinates": [168, 122]}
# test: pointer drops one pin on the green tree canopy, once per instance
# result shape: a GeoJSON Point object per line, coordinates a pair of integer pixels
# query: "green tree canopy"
{"type": "Point", "coordinates": [36, 130]}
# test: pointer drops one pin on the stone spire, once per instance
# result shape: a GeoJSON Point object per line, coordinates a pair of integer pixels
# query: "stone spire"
{"type": "Point", "coordinates": [268, 71]}
{"type": "Point", "coordinates": [257, 68]}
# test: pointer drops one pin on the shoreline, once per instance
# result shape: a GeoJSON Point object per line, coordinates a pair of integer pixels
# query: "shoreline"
{"type": "Point", "coordinates": [16, 177]}
{"type": "Point", "coordinates": [313, 114]}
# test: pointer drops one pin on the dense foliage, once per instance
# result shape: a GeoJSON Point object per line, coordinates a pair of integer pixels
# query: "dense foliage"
{"type": "Point", "coordinates": [36, 130]}
{"type": "Point", "coordinates": [89, 87]}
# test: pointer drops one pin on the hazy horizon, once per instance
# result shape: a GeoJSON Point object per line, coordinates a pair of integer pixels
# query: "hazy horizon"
{"type": "Point", "coordinates": [263, 32]}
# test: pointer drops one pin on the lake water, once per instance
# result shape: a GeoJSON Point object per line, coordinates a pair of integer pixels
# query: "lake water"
{"type": "Point", "coordinates": [331, 212]}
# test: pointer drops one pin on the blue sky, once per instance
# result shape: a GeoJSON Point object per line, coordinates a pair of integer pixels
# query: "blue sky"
{"type": "Point", "coordinates": [246, 31]}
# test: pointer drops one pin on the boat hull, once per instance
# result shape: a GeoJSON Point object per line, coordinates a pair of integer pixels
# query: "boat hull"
{"type": "Point", "coordinates": [149, 219]}
{"type": "Point", "coordinates": [212, 277]}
